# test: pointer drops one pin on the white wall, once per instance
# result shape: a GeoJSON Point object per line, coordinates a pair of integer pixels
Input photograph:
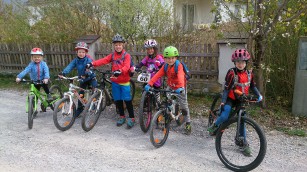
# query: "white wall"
{"type": "Point", "coordinates": [202, 10]}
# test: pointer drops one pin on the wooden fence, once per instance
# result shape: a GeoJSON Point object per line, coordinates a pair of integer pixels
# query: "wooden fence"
{"type": "Point", "coordinates": [202, 60]}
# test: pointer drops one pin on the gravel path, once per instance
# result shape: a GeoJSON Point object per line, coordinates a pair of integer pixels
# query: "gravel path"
{"type": "Point", "coordinates": [111, 148]}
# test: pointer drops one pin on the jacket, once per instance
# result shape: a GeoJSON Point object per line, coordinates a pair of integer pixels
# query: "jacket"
{"type": "Point", "coordinates": [38, 71]}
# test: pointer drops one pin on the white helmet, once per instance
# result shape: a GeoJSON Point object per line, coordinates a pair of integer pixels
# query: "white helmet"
{"type": "Point", "coordinates": [37, 51]}
{"type": "Point", "coordinates": [150, 43]}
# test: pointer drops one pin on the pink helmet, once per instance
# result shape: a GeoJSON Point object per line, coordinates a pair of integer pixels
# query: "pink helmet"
{"type": "Point", "coordinates": [150, 43]}
{"type": "Point", "coordinates": [81, 45]}
{"type": "Point", "coordinates": [37, 51]}
{"type": "Point", "coordinates": [240, 55]}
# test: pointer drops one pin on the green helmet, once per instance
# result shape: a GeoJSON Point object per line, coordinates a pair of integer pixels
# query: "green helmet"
{"type": "Point", "coordinates": [170, 51]}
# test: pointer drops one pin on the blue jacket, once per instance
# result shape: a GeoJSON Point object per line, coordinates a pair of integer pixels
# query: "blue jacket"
{"type": "Point", "coordinates": [38, 71]}
{"type": "Point", "coordinates": [80, 65]}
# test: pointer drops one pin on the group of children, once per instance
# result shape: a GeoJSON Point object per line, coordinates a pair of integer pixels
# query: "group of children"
{"type": "Point", "coordinates": [237, 78]}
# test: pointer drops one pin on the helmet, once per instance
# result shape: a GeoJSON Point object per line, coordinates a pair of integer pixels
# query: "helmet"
{"type": "Point", "coordinates": [239, 55]}
{"type": "Point", "coordinates": [81, 45]}
{"type": "Point", "coordinates": [170, 51]}
{"type": "Point", "coordinates": [150, 43]}
{"type": "Point", "coordinates": [118, 38]}
{"type": "Point", "coordinates": [37, 51]}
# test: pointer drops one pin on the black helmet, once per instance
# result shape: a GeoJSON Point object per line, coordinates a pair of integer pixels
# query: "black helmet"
{"type": "Point", "coordinates": [118, 38]}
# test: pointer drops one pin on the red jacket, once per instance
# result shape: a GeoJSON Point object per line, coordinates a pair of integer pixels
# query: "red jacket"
{"type": "Point", "coordinates": [174, 80]}
{"type": "Point", "coordinates": [117, 64]}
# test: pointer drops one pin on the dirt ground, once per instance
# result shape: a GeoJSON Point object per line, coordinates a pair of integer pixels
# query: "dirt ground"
{"type": "Point", "coordinates": [111, 148]}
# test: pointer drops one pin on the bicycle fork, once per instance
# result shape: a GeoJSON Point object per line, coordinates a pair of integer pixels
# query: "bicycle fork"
{"type": "Point", "coordinates": [35, 102]}
{"type": "Point", "coordinates": [240, 133]}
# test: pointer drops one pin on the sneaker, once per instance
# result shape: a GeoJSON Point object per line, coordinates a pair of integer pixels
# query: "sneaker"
{"type": "Point", "coordinates": [78, 112]}
{"type": "Point", "coordinates": [246, 150]}
{"type": "Point", "coordinates": [49, 97]}
{"type": "Point", "coordinates": [121, 121]}
{"type": "Point", "coordinates": [188, 129]}
{"type": "Point", "coordinates": [212, 128]}
{"type": "Point", "coordinates": [130, 123]}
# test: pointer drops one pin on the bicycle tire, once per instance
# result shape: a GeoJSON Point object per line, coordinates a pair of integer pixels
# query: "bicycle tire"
{"type": "Point", "coordinates": [146, 111]}
{"type": "Point", "coordinates": [31, 112]}
{"type": "Point", "coordinates": [214, 109]}
{"type": "Point", "coordinates": [90, 115]}
{"type": "Point", "coordinates": [62, 120]}
{"type": "Point", "coordinates": [255, 137]}
{"type": "Point", "coordinates": [160, 125]}
{"type": "Point", "coordinates": [56, 93]}
{"type": "Point", "coordinates": [132, 89]}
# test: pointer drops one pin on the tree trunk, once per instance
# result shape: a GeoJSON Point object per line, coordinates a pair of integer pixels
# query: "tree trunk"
{"type": "Point", "coordinates": [259, 52]}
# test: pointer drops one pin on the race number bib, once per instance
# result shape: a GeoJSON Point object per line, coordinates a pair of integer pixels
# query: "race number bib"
{"type": "Point", "coordinates": [144, 77]}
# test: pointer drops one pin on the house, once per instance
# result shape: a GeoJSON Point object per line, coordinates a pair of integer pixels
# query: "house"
{"type": "Point", "coordinates": [92, 41]}
{"type": "Point", "coordinates": [196, 14]}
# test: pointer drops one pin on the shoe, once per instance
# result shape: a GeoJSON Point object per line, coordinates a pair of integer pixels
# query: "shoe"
{"type": "Point", "coordinates": [78, 112]}
{"type": "Point", "coordinates": [121, 121]}
{"type": "Point", "coordinates": [246, 150]}
{"type": "Point", "coordinates": [188, 129]}
{"type": "Point", "coordinates": [212, 128]}
{"type": "Point", "coordinates": [130, 123]}
{"type": "Point", "coordinates": [49, 97]}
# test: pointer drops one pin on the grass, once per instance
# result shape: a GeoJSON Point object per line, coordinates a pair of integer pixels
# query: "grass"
{"type": "Point", "coordinates": [275, 117]}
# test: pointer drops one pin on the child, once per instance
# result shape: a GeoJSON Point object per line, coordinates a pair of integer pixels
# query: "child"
{"type": "Point", "coordinates": [87, 78]}
{"type": "Point", "coordinates": [236, 78]}
{"type": "Point", "coordinates": [38, 70]}
{"type": "Point", "coordinates": [175, 81]}
{"type": "Point", "coordinates": [121, 61]}
{"type": "Point", "coordinates": [153, 62]}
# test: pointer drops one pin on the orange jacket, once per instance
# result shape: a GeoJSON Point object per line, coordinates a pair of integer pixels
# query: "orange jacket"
{"type": "Point", "coordinates": [117, 64]}
{"type": "Point", "coordinates": [174, 80]}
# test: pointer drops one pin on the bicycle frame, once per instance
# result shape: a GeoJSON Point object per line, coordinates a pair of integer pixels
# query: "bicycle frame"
{"type": "Point", "coordinates": [37, 95]}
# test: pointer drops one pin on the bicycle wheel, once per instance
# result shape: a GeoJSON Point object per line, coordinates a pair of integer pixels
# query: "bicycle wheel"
{"type": "Point", "coordinates": [214, 109]}
{"type": "Point", "coordinates": [62, 118]}
{"type": "Point", "coordinates": [56, 93]}
{"type": "Point", "coordinates": [31, 112]}
{"type": "Point", "coordinates": [228, 151]}
{"type": "Point", "coordinates": [91, 113]}
{"type": "Point", "coordinates": [146, 110]}
{"type": "Point", "coordinates": [159, 130]}
{"type": "Point", "coordinates": [132, 89]}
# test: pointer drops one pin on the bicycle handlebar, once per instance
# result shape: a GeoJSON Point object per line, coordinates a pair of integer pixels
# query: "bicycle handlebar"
{"type": "Point", "coordinates": [39, 82]}
{"type": "Point", "coordinates": [162, 90]}
{"type": "Point", "coordinates": [107, 72]}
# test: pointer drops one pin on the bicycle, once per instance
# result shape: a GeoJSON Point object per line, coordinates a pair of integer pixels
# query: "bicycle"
{"type": "Point", "coordinates": [101, 98]}
{"type": "Point", "coordinates": [65, 109]}
{"type": "Point", "coordinates": [34, 95]}
{"type": "Point", "coordinates": [167, 112]}
{"type": "Point", "coordinates": [149, 103]}
{"type": "Point", "coordinates": [228, 137]}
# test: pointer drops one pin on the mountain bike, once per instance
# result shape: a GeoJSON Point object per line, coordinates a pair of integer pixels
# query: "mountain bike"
{"type": "Point", "coordinates": [34, 95]}
{"type": "Point", "coordinates": [101, 98]}
{"type": "Point", "coordinates": [229, 140]}
{"type": "Point", "coordinates": [149, 101]}
{"type": "Point", "coordinates": [65, 108]}
{"type": "Point", "coordinates": [167, 112]}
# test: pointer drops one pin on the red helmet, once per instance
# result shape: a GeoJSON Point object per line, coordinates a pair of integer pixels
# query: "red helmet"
{"type": "Point", "coordinates": [240, 55]}
{"type": "Point", "coordinates": [82, 45]}
{"type": "Point", "coordinates": [37, 51]}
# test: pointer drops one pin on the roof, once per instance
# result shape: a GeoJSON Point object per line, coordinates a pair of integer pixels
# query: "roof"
{"type": "Point", "coordinates": [89, 39]}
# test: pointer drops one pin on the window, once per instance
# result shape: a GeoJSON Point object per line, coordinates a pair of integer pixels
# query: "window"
{"type": "Point", "coordinates": [188, 12]}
